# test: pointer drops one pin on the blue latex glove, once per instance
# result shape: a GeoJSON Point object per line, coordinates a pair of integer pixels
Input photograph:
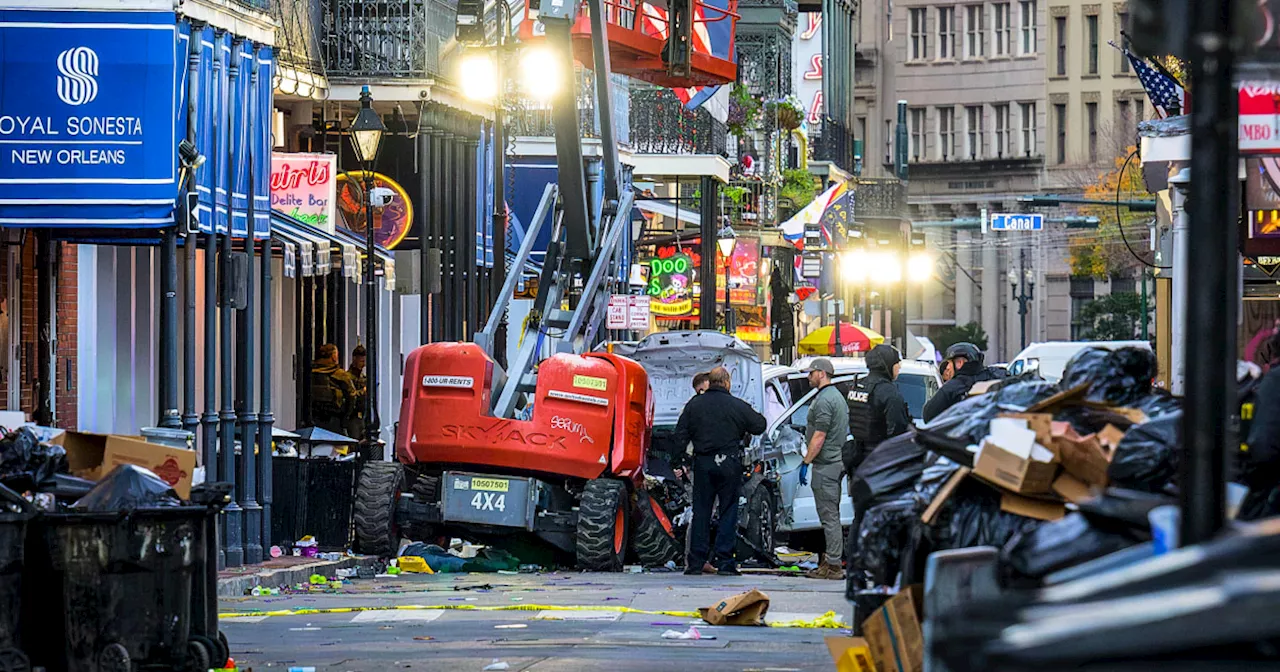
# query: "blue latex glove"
{"type": "Point", "coordinates": [804, 473]}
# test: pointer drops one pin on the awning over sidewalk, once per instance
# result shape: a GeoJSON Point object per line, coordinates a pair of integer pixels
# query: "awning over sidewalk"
{"type": "Point", "coordinates": [311, 247]}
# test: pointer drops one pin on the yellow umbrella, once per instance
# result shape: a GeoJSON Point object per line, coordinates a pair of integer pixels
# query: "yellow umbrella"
{"type": "Point", "coordinates": [854, 340]}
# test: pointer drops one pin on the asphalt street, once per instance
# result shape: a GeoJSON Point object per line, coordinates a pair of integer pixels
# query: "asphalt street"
{"type": "Point", "coordinates": [470, 621]}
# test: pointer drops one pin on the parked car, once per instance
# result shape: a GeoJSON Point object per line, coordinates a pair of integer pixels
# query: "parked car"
{"type": "Point", "coordinates": [1050, 359]}
{"type": "Point", "coordinates": [918, 382]}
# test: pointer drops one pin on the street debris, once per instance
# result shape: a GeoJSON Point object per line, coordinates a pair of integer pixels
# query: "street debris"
{"type": "Point", "coordinates": [511, 626]}
{"type": "Point", "coordinates": [691, 633]}
{"type": "Point", "coordinates": [497, 666]}
{"type": "Point", "coordinates": [747, 608]}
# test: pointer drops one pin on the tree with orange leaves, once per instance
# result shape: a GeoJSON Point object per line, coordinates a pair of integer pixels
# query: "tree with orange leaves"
{"type": "Point", "coordinates": [1101, 252]}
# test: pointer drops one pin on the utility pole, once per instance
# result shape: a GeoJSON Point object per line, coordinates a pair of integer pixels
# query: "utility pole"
{"type": "Point", "coordinates": [1024, 298]}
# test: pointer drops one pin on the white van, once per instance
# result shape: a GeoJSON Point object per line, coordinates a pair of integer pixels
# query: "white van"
{"type": "Point", "coordinates": [1051, 358]}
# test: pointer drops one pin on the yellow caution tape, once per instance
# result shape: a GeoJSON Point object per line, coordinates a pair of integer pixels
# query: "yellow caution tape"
{"type": "Point", "coordinates": [827, 620]}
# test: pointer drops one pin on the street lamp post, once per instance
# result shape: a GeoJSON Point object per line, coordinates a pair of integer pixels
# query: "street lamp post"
{"type": "Point", "coordinates": [1026, 296]}
{"type": "Point", "coordinates": [726, 240]}
{"type": "Point", "coordinates": [366, 138]}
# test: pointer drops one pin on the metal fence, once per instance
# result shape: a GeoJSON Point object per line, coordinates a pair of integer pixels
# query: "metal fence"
{"type": "Point", "coordinates": [660, 124]}
{"type": "Point", "coordinates": [375, 38]}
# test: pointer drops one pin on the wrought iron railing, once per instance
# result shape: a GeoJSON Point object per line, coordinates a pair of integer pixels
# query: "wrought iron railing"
{"type": "Point", "coordinates": [835, 144]}
{"type": "Point", "coordinates": [387, 39]}
{"type": "Point", "coordinates": [530, 118]}
{"type": "Point", "coordinates": [660, 124]}
{"type": "Point", "coordinates": [750, 203]}
{"type": "Point", "coordinates": [299, 46]}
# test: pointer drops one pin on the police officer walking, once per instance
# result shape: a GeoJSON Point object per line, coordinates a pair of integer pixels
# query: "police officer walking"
{"type": "Point", "coordinates": [877, 410]}
{"type": "Point", "coordinates": [825, 434]}
{"type": "Point", "coordinates": [716, 422]}
{"type": "Point", "coordinates": [964, 361]}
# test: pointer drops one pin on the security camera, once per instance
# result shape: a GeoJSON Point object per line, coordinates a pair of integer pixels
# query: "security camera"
{"type": "Point", "coordinates": [381, 197]}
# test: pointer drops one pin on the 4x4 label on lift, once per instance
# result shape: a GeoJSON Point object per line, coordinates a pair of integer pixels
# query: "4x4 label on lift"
{"type": "Point", "coordinates": [590, 383]}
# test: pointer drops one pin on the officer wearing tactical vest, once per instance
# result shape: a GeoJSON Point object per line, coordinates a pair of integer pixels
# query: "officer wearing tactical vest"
{"type": "Point", "coordinates": [966, 370]}
{"type": "Point", "coordinates": [333, 392]}
{"type": "Point", "coordinates": [877, 410]}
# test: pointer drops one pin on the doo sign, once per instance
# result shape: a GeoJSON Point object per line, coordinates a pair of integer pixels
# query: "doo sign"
{"type": "Point", "coordinates": [1260, 117]}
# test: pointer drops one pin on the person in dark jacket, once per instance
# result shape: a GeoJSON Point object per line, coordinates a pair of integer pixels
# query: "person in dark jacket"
{"type": "Point", "coordinates": [877, 410]}
{"type": "Point", "coordinates": [716, 422]}
{"type": "Point", "coordinates": [965, 363]}
{"type": "Point", "coordinates": [333, 392]}
{"type": "Point", "coordinates": [1260, 456]}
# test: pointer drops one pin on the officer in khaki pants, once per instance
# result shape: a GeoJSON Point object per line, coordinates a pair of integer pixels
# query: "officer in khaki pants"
{"type": "Point", "coordinates": [825, 434]}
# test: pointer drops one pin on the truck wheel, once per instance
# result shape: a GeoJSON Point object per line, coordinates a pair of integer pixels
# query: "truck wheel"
{"type": "Point", "coordinates": [376, 495]}
{"type": "Point", "coordinates": [655, 540]}
{"type": "Point", "coordinates": [603, 525]}
{"type": "Point", "coordinates": [761, 520]}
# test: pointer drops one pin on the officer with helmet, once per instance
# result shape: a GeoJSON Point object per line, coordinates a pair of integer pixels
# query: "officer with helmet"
{"type": "Point", "coordinates": [877, 410]}
{"type": "Point", "coordinates": [962, 370]}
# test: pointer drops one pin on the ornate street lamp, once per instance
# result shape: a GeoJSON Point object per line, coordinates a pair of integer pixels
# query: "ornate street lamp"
{"type": "Point", "coordinates": [366, 138]}
{"type": "Point", "coordinates": [726, 240]}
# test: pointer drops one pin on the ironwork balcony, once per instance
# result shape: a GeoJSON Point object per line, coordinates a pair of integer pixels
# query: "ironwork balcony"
{"type": "Point", "coordinates": [660, 124]}
{"type": "Point", "coordinates": [387, 39]}
{"type": "Point", "coordinates": [834, 144]}
{"type": "Point", "coordinates": [298, 42]}
{"type": "Point", "coordinates": [527, 118]}
{"type": "Point", "coordinates": [750, 203]}
{"type": "Point", "coordinates": [884, 197]}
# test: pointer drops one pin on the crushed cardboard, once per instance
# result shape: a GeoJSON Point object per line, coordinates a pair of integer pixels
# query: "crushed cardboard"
{"type": "Point", "coordinates": [851, 654]}
{"type": "Point", "coordinates": [1011, 457]}
{"type": "Point", "coordinates": [943, 494]}
{"type": "Point", "coordinates": [1064, 396]}
{"type": "Point", "coordinates": [894, 634]}
{"type": "Point", "coordinates": [1028, 507]}
{"type": "Point", "coordinates": [1071, 488]}
{"type": "Point", "coordinates": [983, 387]}
{"type": "Point", "coordinates": [747, 608]}
{"type": "Point", "coordinates": [93, 456]}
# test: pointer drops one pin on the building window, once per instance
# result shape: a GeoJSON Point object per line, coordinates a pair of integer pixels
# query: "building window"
{"type": "Point", "coordinates": [1060, 118]}
{"type": "Point", "coordinates": [947, 133]}
{"type": "Point", "coordinates": [977, 133]}
{"type": "Point", "coordinates": [1091, 112]}
{"type": "Point", "coordinates": [1124, 285]}
{"type": "Point", "coordinates": [1027, 23]}
{"type": "Point", "coordinates": [1004, 29]}
{"type": "Point", "coordinates": [916, 133]}
{"type": "Point", "coordinates": [1060, 36]}
{"type": "Point", "coordinates": [1028, 115]}
{"type": "Point", "coordinates": [919, 38]}
{"type": "Point", "coordinates": [1140, 106]}
{"type": "Point", "coordinates": [1091, 27]}
{"type": "Point", "coordinates": [1122, 20]}
{"type": "Point", "coordinates": [946, 32]}
{"type": "Point", "coordinates": [862, 130]}
{"type": "Point", "coordinates": [1124, 117]}
{"type": "Point", "coordinates": [975, 31]}
{"type": "Point", "coordinates": [888, 142]}
{"type": "Point", "coordinates": [1004, 140]}
{"type": "Point", "coordinates": [1081, 294]}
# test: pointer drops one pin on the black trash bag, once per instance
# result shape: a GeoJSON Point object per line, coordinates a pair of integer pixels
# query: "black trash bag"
{"type": "Point", "coordinates": [1118, 508]}
{"type": "Point", "coordinates": [1158, 403]}
{"type": "Point", "coordinates": [26, 464]}
{"type": "Point", "coordinates": [887, 471]}
{"type": "Point", "coordinates": [1060, 544]}
{"type": "Point", "coordinates": [128, 487]}
{"type": "Point", "coordinates": [884, 535]}
{"type": "Point", "coordinates": [1119, 377]}
{"type": "Point", "coordinates": [972, 517]}
{"type": "Point", "coordinates": [937, 471]}
{"type": "Point", "coordinates": [1148, 455]}
{"type": "Point", "coordinates": [971, 419]}
{"type": "Point", "coordinates": [1091, 419]}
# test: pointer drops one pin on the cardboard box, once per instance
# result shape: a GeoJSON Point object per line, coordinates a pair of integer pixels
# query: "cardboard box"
{"type": "Point", "coordinates": [944, 493]}
{"type": "Point", "coordinates": [747, 608]}
{"type": "Point", "coordinates": [1085, 457]}
{"type": "Point", "coordinates": [93, 456]}
{"type": "Point", "coordinates": [1012, 459]}
{"type": "Point", "coordinates": [1071, 488]}
{"type": "Point", "coordinates": [1040, 423]}
{"type": "Point", "coordinates": [1052, 402]}
{"type": "Point", "coordinates": [1039, 509]}
{"type": "Point", "coordinates": [894, 635]}
{"type": "Point", "coordinates": [851, 654]}
{"type": "Point", "coordinates": [983, 387]}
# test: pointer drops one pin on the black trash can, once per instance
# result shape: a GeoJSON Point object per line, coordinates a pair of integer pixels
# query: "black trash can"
{"type": "Point", "coordinates": [118, 591]}
{"type": "Point", "coordinates": [13, 531]}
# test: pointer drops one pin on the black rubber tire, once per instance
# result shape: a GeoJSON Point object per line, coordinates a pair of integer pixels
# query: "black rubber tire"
{"type": "Point", "coordinates": [114, 658]}
{"type": "Point", "coordinates": [224, 647]}
{"type": "Point", "coordinates": [200, 655]}
{"type": "Point", "coordinates": [604, 524]}
{"type": "Point", "coordinates": [654, 545]}
{"type": "Point", "coordinates": [376, 494]}
{"type": "Point", "coordinates": [427, 488]}
{"type": "Point", "coordinates": [13, 660]}
{"type": "Point", "coordinates": [760, 517]}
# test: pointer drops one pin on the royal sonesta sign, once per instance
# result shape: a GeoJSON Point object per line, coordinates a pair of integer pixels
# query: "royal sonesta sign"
{"type": "Point", "coordinates": [89, 114]}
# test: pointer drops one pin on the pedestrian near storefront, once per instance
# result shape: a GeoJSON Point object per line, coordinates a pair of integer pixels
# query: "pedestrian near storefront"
{"type": "Point", "coordinates": [825, 434]}
{"type": "Point", "coordinates": [717, 423]}
{"type": "Point", "coordinates": [333, 392]}
{"type": "Point", "coordinates": [360, 380]}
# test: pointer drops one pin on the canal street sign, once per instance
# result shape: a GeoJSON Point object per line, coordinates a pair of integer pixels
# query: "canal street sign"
{"type": "Point", "coordinates": [1017, 222]}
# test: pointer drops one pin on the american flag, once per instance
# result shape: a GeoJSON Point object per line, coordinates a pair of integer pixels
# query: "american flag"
{"type": "Point", "coordinates": [1167, 96]}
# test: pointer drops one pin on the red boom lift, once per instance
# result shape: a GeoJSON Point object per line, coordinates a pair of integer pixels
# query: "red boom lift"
{"type": "Point", "coordinates": [555, 447]}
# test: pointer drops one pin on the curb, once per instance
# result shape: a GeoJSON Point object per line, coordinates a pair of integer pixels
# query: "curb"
{"type": "Point", "coordinates": [237, 586]}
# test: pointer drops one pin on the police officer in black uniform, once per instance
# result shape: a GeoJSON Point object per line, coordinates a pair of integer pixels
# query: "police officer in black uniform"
{"type": "Point", "coordinates": [966, 370]}
{"type": "Point", "coordinates": [877, 410]}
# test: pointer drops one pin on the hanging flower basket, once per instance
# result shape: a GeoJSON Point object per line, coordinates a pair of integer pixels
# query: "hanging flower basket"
{"type": "Point", "coordinates": [787, 112]}
{"type": "Point", "coordinates": [744, 111]}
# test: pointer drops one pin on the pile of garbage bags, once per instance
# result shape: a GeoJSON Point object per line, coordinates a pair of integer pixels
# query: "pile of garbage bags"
{"type": "Point", "coordinates": [912, 499]}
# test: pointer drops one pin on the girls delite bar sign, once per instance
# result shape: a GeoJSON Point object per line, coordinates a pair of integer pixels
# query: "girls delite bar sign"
{"type": "Point", "coordinates": [304, 186]}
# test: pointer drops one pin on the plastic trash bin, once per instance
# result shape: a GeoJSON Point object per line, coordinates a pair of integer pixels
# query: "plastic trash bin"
{"type": "Point", "coordinates": [13, 530]}
{"type": "Point", "coordinates": [125, 586]}
{"type": "Point", "coordinates": [173, 438]}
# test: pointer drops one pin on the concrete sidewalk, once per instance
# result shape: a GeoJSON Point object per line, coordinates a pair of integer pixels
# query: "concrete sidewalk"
{"type": "Point", "coordinates": [288, 570]}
